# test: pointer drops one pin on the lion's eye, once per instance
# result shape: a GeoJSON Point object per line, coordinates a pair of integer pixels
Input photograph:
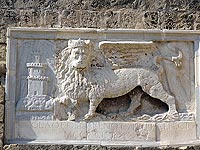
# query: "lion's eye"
{"type": "Point", "coordinates": [76, 55]}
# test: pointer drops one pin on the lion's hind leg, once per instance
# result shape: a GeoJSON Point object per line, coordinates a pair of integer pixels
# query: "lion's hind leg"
{"type": "Point", "coordinates": [158, 92]}
{"type": "Point", "coordinates": [135, 96]}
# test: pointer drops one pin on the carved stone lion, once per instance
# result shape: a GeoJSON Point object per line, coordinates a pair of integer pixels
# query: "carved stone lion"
{"type": "Point", "coordinates": [83, 74]}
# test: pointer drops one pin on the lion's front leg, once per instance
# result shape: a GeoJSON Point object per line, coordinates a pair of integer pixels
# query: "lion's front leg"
{"type": "Point", "coordinates": [72, 110]}
{"type": "Point", "coordinates": [60, 104]}
{"type": "Point", "coordinates": [92, 109]}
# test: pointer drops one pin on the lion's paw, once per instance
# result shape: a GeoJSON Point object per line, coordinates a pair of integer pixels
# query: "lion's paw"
{"type": "Point", "coordinates": [88, 116]}
{"type": "Point", "coordinates": [61, 100]}
{"type": "Point", "coordinates": [71, 116]}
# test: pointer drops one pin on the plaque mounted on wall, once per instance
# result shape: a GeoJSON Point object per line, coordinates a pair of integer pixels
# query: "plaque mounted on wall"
{"type": "Point", "coordinates": [102, 86]}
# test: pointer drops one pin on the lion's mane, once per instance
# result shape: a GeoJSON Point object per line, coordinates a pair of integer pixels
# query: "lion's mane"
{"type": "Point", "coordinates": [90, 83]}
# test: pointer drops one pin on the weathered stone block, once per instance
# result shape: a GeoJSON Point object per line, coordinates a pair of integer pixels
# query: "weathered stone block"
{"type": "Point", "coordinates": [2, 52]}
{"type": "Point", "coordinates": [151, 20]}
{"type": "Point", "coordinates": [140, 4]}
{"type": "Point", "coordinates": [42, 130]}
{"type": "Point", "coordinates": [3, 35]}
{"type": "Point", "coordinates": [13, 147]}
{"type": "Point", "coordinates": [64, 4]}
{"type": "Point", "coordinates": [1, 113]}
{"type": "Point", "coordinates": [94, 147]}
{"type": "Point", "coordinates": [98, 5]}
{"type": "Point", "coordinates": [197, 21]}
{"type": "Point", "coordinates": [131, 19]}
{"type": "Point", "coordinates": [157, 5]}
{"type": "Point", "coordinates": [185, 20]}
{"type": "Point", "coordinates": [177, 20]}
{"type": "Point", "coordinates": [70, 18]}
{"type": "Point", "coordinates": [51, 18]}
{"type": "Point", "coordinates": [1, 94]}
{"type": "Point", "coordinates": [30, 18]}
{"type": "Point", "coordinates": [91, 19]}
{"type": "Point", "coordinates": [172, 132]}
{"type": "Point", "coordinates": [31, 4]}
{"type": "Point", "coordinates": [111, 19]}
{"type": "Point", "coordinates": [168, 20]}
{"type": "Point", "coordinates": [149, 14]}
{"type": "Point", "coordinates": [194, 5]}
{"type": "Point", "coordinates": [4, 4]}
{"type": "Point", "coordinates": [71, 5]}
{"type": "Point", "coordinates": [1, 135]}
{"type": "Point", "coordinates": [1, 130]}
{"type": "Point", "coordinates": [11, 17]}
{"type": "Point", "coordinates": [2, 68]}
{"type": "Point", "coordinates": [174, 5]}
{"type": "Point", "coordinates": [2, 21]}
{"type": "Point", "coordinates": [197, 27]}
{"type": "Point", "coordinates": [116, 131]}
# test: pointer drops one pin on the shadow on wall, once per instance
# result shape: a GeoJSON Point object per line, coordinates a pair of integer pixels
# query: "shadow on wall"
{"type": "Point", "coordinates": [148, 105]}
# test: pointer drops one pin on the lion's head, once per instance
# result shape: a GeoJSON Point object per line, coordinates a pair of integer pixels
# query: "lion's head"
{"type": "Point", "coordinates": [80, 54]}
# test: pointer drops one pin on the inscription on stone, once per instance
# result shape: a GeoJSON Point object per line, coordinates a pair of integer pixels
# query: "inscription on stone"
{"type": "Point", "coordinates": [176, 131]}
{"type": "Point", "coordinates": [50, 130]}
{"type": "Point", "coordinates": [117, 131]}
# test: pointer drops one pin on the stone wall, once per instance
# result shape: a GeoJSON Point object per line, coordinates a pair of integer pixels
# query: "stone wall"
{"type": "Point", "coordinates": [132, 14]}
{"type": "Point", "coordinates": [92, 147]}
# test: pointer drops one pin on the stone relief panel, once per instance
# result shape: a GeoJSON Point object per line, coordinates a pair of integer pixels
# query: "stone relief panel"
{"type": "Point", "coordinates": [86, 87]}
{"type": "Point", "coordinates": [180, 73]}
{"type": "Point", "coordinates": [35, 87]}
{"type": "Point", "coordinates": [117, 70]}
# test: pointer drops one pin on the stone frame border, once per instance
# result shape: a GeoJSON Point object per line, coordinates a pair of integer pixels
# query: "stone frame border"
{"type": "Point", "coordinates": [134, 34]}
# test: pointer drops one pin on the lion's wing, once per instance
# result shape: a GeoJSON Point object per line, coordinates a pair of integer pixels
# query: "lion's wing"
{"type": "Point", "coordinates": [129, 54]}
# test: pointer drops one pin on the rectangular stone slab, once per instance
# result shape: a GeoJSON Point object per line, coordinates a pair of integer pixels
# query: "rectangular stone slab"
{"type": "Point", "coordinates": [121, 131]}
{"type": "Point", "coordinates": [95, 131]}
{"type": "Point", "coordinates": [173, 132]}
{"type": "Point", "coordinates": [166, 132]}
{"type": "Point", "coordinates": [35, 124]}
{"type": "Point", "coordinates": [50, 130]}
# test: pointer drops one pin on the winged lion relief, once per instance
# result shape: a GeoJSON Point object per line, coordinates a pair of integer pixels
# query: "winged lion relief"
{"type": "Point", "coordinates": [85, 75]}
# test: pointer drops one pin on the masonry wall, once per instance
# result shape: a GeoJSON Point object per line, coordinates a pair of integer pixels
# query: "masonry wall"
{"type": "Point", "coordinates": [131, 14]}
